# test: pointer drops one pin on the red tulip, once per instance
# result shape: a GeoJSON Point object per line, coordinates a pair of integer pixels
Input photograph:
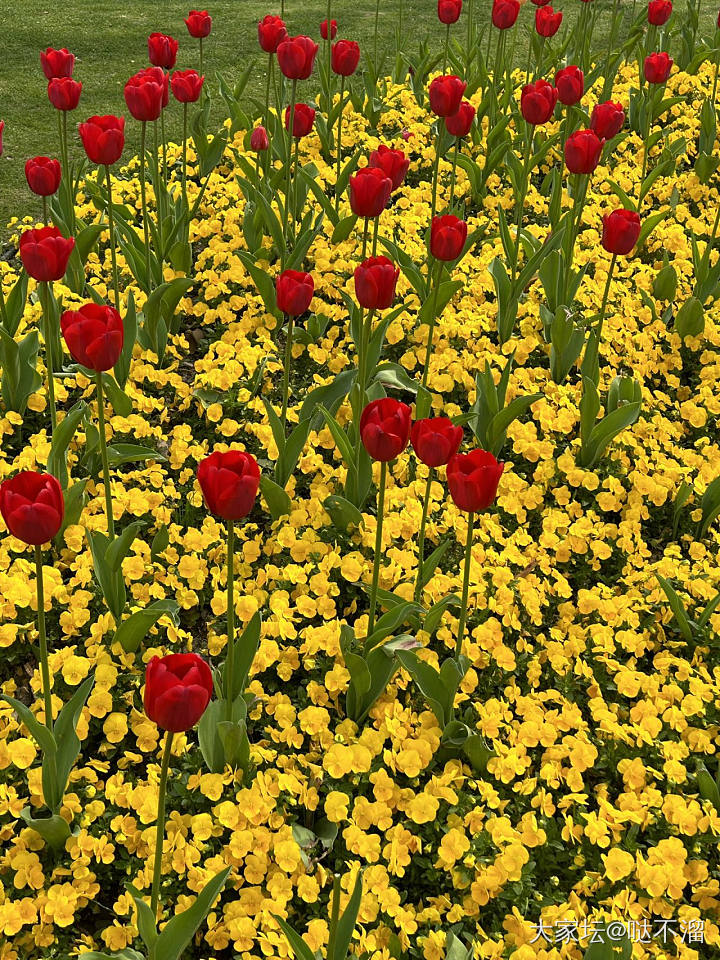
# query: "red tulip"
{"type": "Point", "coordinates": [43, 175]}
{"type": "Point", "coordinates": [582, 151]}
{"type": "Point", "coordinates": [505, 13]}
{"type": "Point", "coordinates": [620, 232]}
{"type": "Point", "coordinates": [345, 57]}
{"type": "Point", "coordinates": [446, 94]}
{"type": "Point", "coordinates": [186, 85]}
{"type": "Point", "coordinates": [460, 123]}
{"type": "Point", "coordinates": [271, 33]}
{"type": "Point", "coordinates": [547, 21]}
{"type": "Point", "coordinates": [32, 506]}
{"type": "Point", "coordinates": [259, 139]}
{"type": "Point", "coordinates": [659, 12]}
{"type": "Point", "coordinates": [658, 67]}
{"type": "Point", "coordinates": [370, 191]}
{"type": "Point", "coordinates": [540, 3]}
{"type": "Point", "coordinates": [144, 94]}
{"type": "Point", "coordinates": [229, 482]}
{"type": "Point", "coordinates": [94, 335]}
{"type": "Point", "coordinates": [435, 440]}
{"type": "Point", "coordinates": [162, 50]}
{"type": "Point", "coordinates": [103, 138]}
{"type": "Point", "coordinates": [57, 63]}
{"type": "Point", "coordinates": [333, 29]}
{"type": "Point", "coordinates": [449, 11]}
{"type": "Point", "coordinates": [303, 119]}
{"type": "Point", "coordinates": [537, 102]}
{"type": "Point", "coordinates": [294, 291]}
{"type": "Point", "coordinates": [45, 253]}
{"type": "Point", "coordinates": [447, 237]}
{"type": "Point", "coordinates": [296, 56]}
{"type": "Point", "coordinates": [473, 479]}
{"type": "Point", "coordinates": [607, 119]}
{"type": "Point", "coordinates": [199, 23]}
{"type": "Point", "coordinates": [570, 85]}
{"type": "Point", "coordinates": [178, 688]}
{"type": "Point", "coordinates": [393, 163]}
{"type": "Point", "coordinates": [64, 93]}
{"type": "Point", "coordinates": [375, 280]}
{"type": "Point", "coordinates": [385, 428]}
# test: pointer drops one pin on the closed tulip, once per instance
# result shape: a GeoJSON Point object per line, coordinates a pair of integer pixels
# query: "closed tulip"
{"type": "Point", "coordinates": [296, 57]}
{"type": "Point", "coordinates": [582, 151]}
{"type": "Point", "coordinates": [32, 506]}
{"type": "Point", "coordinates": [324, 29]}
{"type": "Point", "coordinates": [473, 479]}
{"type": "Point", "coordinates": [607, 119]}
{"type": "Point", "coordinates": [178, 688]}
{"type": "Point", "coordinates": [570, 85]}
{"type": "Point", "coordinates": [435, 440]}
{"type": "Point", "coordinates": [103, 138]}
{"type": "Point", "coordinates": [449, 11]}
{"type": "Point", "coordinates": [43, 175]}
{"type": "Point", "coordinates": [447, 237]}
{"type": "Point", "coordinates": [271, 33]}
{"type": "Point", "coordinates": [620, 232]}
{"type": "Point", "coordinates": [385, 428]}
{"type": "Point", "coordinates": [303, 119]}
{"type": "Point", "coordinates": [229, 482]}
{"type": "Point", "coordinates": [162, 50]}
{"type": "Point", "coordinates": [393, 163]}
{"type": "Point", "coordinates": [659, 12]}
{"type": "Point", "coordinates": [199, 24]}
{"type": "Point", "coordinates": [370, 191]}
{"type": "Point", "coordinates": [547, 21]}
{"type": "Point", "coordinates": [57, 63]}
{"type": "Point", "coordinates": [259, 139]}
{"type": "Point", "coordinates": [144, 94]}
{"type": "Point", "coordinates": [45, 253]}
{"type": "Point", "coordinates": [94, 335]}
{"type": "Point", "coordinates": [375, 280]}
{"type": "Point", "coordinates": [345, 57]}
{"type": "Point", "coordinates": [460, 123]}
{"type": "Point", "coordinates": [294, 291]}
{"type": "Point", "coordinates": [186, 85]}
{"type": "Point", "coordinates": [658, 67]}
{"type": "Point", "coordinates": [445, 95]}
{"type": "Point", "coordinates": [537, 102]}
{"type": "Point", "coordinates": [505, 13]}
{"type": "Point", "coordinates": [64, 93]}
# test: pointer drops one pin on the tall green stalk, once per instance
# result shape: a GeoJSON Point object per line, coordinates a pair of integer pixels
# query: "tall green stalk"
{"type": "Point", "coordinates": [160, 829]}
{"type": "Point", "coordinates": [466, 586]}
{"type": "Point", "coordinates": [230, 649]}
{"type": "Point", "coordinates": [50, 342]}
{"type": "Point", "coordinates": [44, 668]}
{"type": "Point", "coordinates": [378, 548]}
{"type": "Point", "coordinates": [143, 200]}
{"type": "Point", "coordinates": [421, 536]}
{"type": "Point", "coordinates": [104, 456]}
{"type": "Point", "coordinates": [113, 254]}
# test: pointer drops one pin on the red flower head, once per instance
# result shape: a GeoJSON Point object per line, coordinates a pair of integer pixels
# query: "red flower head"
{"type": "Point", "coordinates": [178, 688]}
{"type": "Point", "coordinates": [199, 23]}
{"type": "Point", "coordinates": [45, 253]}
{"type": "Point", "coordinates": [449, 11]}
{"type": "Point", "coordinates": [32, 506]}
{"type": "Point", "coordinates": [162, 50]}
{"type": "Point", "coordinates": [659, 12]}
{"type": "Point", "coordinates": [541, 3]}
{"type": "Point", "coordinates": [375, 280]}
{"type": "Point", "coordinates": [582, 151]}
{"type": "Point", "coordinates": [570, 85]}
{"type": "Point", "coordinates": [460, 123]}
{"type": "Point", "coordinates": [505, 13]}
{"type": "Point", "coordinates": [259, 139]}
{"type": "Point", "coordinates": [94, 335]}
{"type": "Point", "coordinates": [658, 67]}
{"type": "Point", "coordinates": [229, 482]}
{"type": "Point", "coordinates": [103, 138]}
{"type": "Point", "coordinates": [620, 232]}
{"type": "Point", "coordinates": [294, 291]}
{"type": "Point", "coordinates": [303, 119]}
{"type": "Point", "coordinates": [537, 102]}
{"type": "Point", "coordinates": [64, 93]}
{"type": "Point", "coordinates": [57, 63]}
{"type": "Point", "coordinates": [43, 175]}
{"type": "Point", "coordinates": [271, 33]}
{"type": "Point", "coordinates": [607, 119]}
{"type": "Point", "coordinates": [447, 237]}
{"type": "Point", "coordinates": [145, 93]}
{"type": "Point", "coordinates": [473, 479]}
{"type": "Point", "coordinates": [370, 191]}
{"type": "Point", "coordinates": [333, 29]}
{"type": "Point", "coordinates": [435, 440]}
{"type": "Point", "coordinates": [393, 163]}
{"type": "Point", "coordinates": [385, 428]}
{"type": "Point", "coordinates": [345, 57]}
{"type": "Point", "coordinates": [187, 85]}
{"type": "Point", "coordinates": [547, 21]}
{"type": "Point", "coordinates": [446, 94]}
{"type": "Point", "coordinates": [296, 56]}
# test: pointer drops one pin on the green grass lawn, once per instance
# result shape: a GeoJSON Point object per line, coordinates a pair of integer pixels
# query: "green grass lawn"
{"type": "Point", "coordinates": [109, 39]}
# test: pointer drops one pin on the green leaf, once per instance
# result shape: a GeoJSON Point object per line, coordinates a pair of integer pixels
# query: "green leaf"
{"type": "Point", "coordinates": [340, 438]}
{"type": "Point", "coordinates": [119, 453]}
{"type": "Point", "coordinates": [68, 742]}
{"type": "Point", "coordinates": [277, 500]}
{"type": "Point", "coordinates": [245, 648]}
{"type": "Point", "coordinates": [342, 513]}
{"type": "Point", "coordinates": [298, 946]}
{"type": "Point", "coordinates": [210, 744]}
{"type": "Point", "coordinates": [160, 542]}
{"type": "Point", "coordinates": [120, 546]}
{"type": "Point", "coordinates": [179, 931]}
{"type": "Point", "coordinates": [112, 585]}
{"type": "Point", "coordinates": [430, 563]}
{"type": "Point", "coordinates": [61, 439]}
{"type": "Point", "coordinates": [346, 923]}
{"type": "Point", "coordinates": [119, 400]}
{"type": "Point", "coordinates": [343, 229]}
{"type": "Point", "coordinates": [133, 630]}
{"type": "Point", "coordinates": [677, 607]}
{"type": "Point", "coordinates": [145, 920]}
{"type": "Point", "coordinates": [40, 733]}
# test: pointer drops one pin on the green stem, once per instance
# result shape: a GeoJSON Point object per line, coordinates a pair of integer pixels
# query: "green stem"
{"type": "Point", "coordinates": [159, 195]}
{"type": "Point", "coordinates": [436, 174]}
{"type": "Point", "coordinates": [447, 46]}
{"type": "Point", "coordinates": [271, 59]}
{"type": "Point", "coordinates": [339, 145]}
{"type": "Point", "coordinates": [164, 147]}
{"type": "Point", "coordinates": [286, 370]}
{"type": "Point", "coordinates": [160, 830]}
{"type": "Point", "coordinates": [288, 169]}
{"type": "Point", "coordinates": [143, 198]}
{"type": "Point", "coordinates": [44, 292]}
{"type": "Point", "coordinates": [377, 15]}
{"type": "Point", "coordinates": [104, 456]}
{"type": "Point", "coordinates": [421, 537]}
{"type": "Point", "coordinates": [44, 211]}
{"type": "Point", "coordinates": [378, 548]}
{"type": "Point", "coordinates": [66, 154]}
{"type": "Point", "coordinates": [296, 154]}
{"type": "Point", "coordinates": [201, 56]}
{"type": "Point", "coordinates": [113, 254]}
{"type": "Point", "coordinates": [44, 668]}
{"type": "Point", "coordinates": [606, 293]}
{"type": "Point", "coordinates": [431, 324]}
{"type": "Point", "coordinates": [521, 204]}
{"type": "Point", "coordinates": [230, 650]}
{"type": "Point", "coordinates": [453, 174]}
{"type": "Point", "coordinates": [466, 585]}
{"type": "Point", "coordinates": [184, 156]}
{"type": "Point", "coordinates": [334, 914]}
{"type": "Point", "coordinates": [328, 45]}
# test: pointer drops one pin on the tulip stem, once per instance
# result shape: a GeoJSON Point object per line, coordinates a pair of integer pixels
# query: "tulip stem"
{"type": "Point", "coordinates": [184, 159]}
{"type": "Point", "coordinates": [447, 47]}
{"type": "Point", "coordinates": [529, 133]}
{"type": "Point", "coordinates": [45, 211]}
{"type": "Point", "coordinates": [606, 292]}
{"type": "Point", "coordinates": [378, 548]}
{"type": "Point", "coordinates": [575, 219]}
{"type": "Point", "coordinates": [66, 152]}
{"type": "Point", "coordinates": [328, 46]}
{"type": "Point", "coordinates": [611, 40]}
{"type": "Point", "coordinates": [143, 199]}
{"type": "Point", "coordinates": [286, 370]}
{"type": "Point", "coordinates": [44, 668]}
{"type": "Point", "coordinates": [436, 173]}
{"type": "Point", "coordinates": [339, 145]}
{"type": "Point", "coordinates": [49, 335]}
{"type": "Point", "coordinates": [466, 585]}
{"type": "Point", "coordinates": [160, 830]}
{"type": "Point", "coordinates": [431, 323]}
{"type": "Point", "coordinates": [113, 254]}
{"type": "Point", "coordinates": [201, 56]}
{"type": "Point", "coordinates": [377, 15]}
{"type": "Point", "coordinates": [453, 174]}
{"type": "Point", "coordinates": [104, 456]}
{"type": "Point", "coordinates": [421, 537]}
{"type": "Point", "coordinates": [288, 161]}
{"type": "Point", "coordinates": [334, 916]}
{"type": "Point", "coordinates": [230, 654]}
{"type": "Point", "coordinates": [296, 154]}
{"type": "Point", "coordinates": [271, 60]}
{"type": "Point", "coordinates": [159, 194]}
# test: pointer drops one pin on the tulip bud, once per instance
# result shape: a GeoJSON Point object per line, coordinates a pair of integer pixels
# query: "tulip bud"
{"type": "Point", "coordinates": [435, 440]}
{"type": "Point", "coordinates": [449, 11]}
{"type": "Point", "coordinates": [570, 85]}
{"type": "Point", "coordinates": [296, 57]}
{"type": "Point", "coordinates": [460, 123]}
{"type": "Point", "coordinates": [294, 291]}
{"type": "Point", "coordinates": [324, 29]}
{"type": "Point", "coordinates": [64, 93]}
{"type": "Point", "coordinates": [345, 57]}
{"type": "Point", "coordinates": [505, 13]}
{"type": "Point", "coordinates": [385, 428]}
{"type": "Point", "coordinates": [473, 479]}
{"type": "Point", "coordinates": [445, 95]}
{"type": "Point", "coordinates": [259, 140]}
{"type": "Point", "coordinates": [665, 283]}
{"type": "Point", "coordinates": [547, 21]}
{"type": "Point", "coordinates": [375, 280]}
{"type": "Point", "coordinates": [392, 162]}
{"type": "Point", "coordinates": [537, 102]}
{"type": "Point", "coordinates": [447, 237]}
{"type": "Point", "coordinates": [94, 335]}
{"type": "Point", "coordinates": [657, 67]}
{"type": "Point", "coordinates": [43, 175]}
{"type": "Point", "coordinates": [302, 122]}
{"type": "Point", "coordinates": [32, 506]}
{"type": "Point", "coordinates": [370, 191]}
{"type": "Point", "coordinates": [582, 151]}
{"type": "Point", "coordinates": [620, 232]}
{"type": "Point", "coordinates": [178, 688]}
{"type": "Point", "coordinates": [199, 23]}
{"type": "Point", "coordinates": [162, 50]}
{"type": "Point", "coordinates": [229, 482]}
{"type": "Point", "coordinates": [659, 12]}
